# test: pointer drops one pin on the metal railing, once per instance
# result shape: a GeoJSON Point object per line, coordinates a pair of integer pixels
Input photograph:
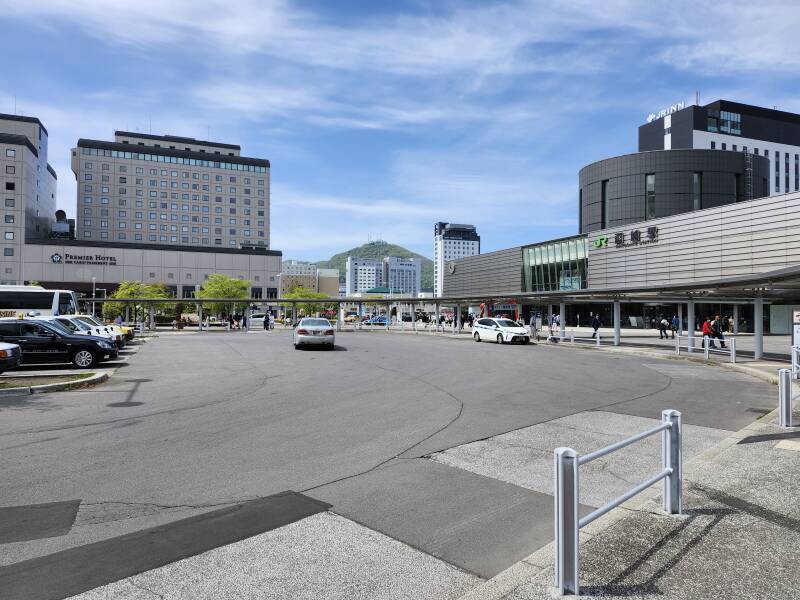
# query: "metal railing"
{"type": "Point", "coordinates": [795, 362]}
{"type": "Point", "coordinates": [785, 397]}
{"type": "Point", "coordinates": [567, 493]}
{"type": "Point", "coordinates": [705, 346]}
{"type": "Point", "coordinates": [596, 339]}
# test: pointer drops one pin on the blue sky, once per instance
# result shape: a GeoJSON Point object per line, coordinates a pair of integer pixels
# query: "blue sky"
{"type": "Point", "coordinates": [381, 118]}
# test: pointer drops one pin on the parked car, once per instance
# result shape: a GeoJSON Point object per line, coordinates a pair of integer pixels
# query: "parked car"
{"type": "Point", "coordinates": [49, 342]}
{"type": "Point", "coordinates": [78, 326]}
{"type": "Point", "coordinates": [10, 356]}
{"type": "Point", "coordinates": [100, 327]}
{"type": "Point", "coordinates": [500, 331]}
{"type": "Point", "coordinates": [313, 331]}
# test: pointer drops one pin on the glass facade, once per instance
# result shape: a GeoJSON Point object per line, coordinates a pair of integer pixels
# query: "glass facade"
{"type": "Point", "coordinates": [557, 265]}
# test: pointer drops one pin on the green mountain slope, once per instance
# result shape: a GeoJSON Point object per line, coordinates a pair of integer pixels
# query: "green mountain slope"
{"type": "Point", "coordinates": [376, 251]}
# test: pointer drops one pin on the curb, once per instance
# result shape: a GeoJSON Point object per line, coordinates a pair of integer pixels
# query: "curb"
{"type": "Point", "coordinates": [55, 387]}
{"type": "Point", "coordinates": [543, 559]}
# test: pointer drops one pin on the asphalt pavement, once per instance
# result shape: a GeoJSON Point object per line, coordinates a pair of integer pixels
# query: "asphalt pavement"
{"type": "Point", "coordinates": [196, 423]}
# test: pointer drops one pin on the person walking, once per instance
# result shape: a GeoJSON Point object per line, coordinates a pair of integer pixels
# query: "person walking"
{"type": "Point", "coordinates": [266, 321]}
{"type": "Point", "coordinates": [174, 323]}
{"type": "Point", "coordinates": [675, 325]}
{"type": "Point", "coordinates": [663, 325]}
{"type": "Point", "coordinates": [595, 325]}
{"type": "Point", "coordinates": [716, 328]}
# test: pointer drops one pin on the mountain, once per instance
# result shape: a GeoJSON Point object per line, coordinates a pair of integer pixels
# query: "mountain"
{"type": "Point", "coordinates": [376, 251]}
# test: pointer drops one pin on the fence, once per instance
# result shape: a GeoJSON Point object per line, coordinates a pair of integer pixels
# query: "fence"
{"type": "Point", "coordinates": [596, 339]}
{"type": "Point", "coordinates": [567, 493]}
{"type": "Point", "coordinates": [705, 346]}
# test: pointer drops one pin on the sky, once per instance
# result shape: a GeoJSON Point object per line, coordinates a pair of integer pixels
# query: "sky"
{"type": "Point", "coordinates": [382, 118]}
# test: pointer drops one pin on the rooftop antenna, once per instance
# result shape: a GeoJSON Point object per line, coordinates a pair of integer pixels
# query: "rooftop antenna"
{"type": "Point", "coordinates": [697, 98]}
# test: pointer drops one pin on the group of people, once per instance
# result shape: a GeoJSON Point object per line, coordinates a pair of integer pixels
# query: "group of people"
{"type": "Point", "coordinates": [269, 321]}
{"type": "Point", "coordinates": [712, 330]}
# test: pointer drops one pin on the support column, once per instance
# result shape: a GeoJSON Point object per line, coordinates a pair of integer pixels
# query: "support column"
{"type": "Point", "coordinates": [549, 315]}
{"type": "Point", "coordinates": [458, 319]}
{"type": "Point", "coordinates": [152, 316]}
{"type": "Point", "coordinates": [690, 325]}
{"type": "Point", "coordinates": [562, 319]}
{"type": "Point", "coordinates": [437, 318]}
{"type": "Point", "coordinates": [414, 317]}
{"type": "Point", "coordinates": [758, 328]}
{"type": "Point", "coordinates": [735, 319]}
{"type": "Point", "coordinates": [680, 319]}
{"type": "Point", "coordinates": [617, 322]}
{"type": "Point", "coordinates": [339, 318]}
{"type": "Point", "coordinates": [200, 318]}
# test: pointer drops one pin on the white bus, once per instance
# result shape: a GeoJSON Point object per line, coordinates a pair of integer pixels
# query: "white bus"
{"type": "Point", "coordinates": [33, 300]}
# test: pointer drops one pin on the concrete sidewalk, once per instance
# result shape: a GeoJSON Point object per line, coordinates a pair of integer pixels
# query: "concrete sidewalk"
{"type": "Point", "coordinates": [739, 537]}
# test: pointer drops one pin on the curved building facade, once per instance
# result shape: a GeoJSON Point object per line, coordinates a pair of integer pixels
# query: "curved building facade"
{"type": "Point", "coordinates": [649, 185]}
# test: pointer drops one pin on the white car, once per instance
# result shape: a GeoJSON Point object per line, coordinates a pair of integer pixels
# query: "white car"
{"type": "Point", "coordinates": [100, 328]}
{"type": "Point", "coordinates": [77, 326]}
{"type": "Point", "coordinates": [500, 331]}
{"type": "Point", "coordinates": [313, 331]}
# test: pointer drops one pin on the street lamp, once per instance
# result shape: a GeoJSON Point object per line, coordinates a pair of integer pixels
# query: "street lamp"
{"type": "Point", "coordinates": [94, 280]}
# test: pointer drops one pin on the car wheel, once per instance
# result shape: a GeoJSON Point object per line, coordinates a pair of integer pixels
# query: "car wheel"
{"type": "Point", "coordinates": [84, 358]}
{"type": "Point", "coordinates": [476, 336]}
{"type": "Point", "coordinates": [499, 338]}
{"type": "Point", "coordinates": [525, 341]}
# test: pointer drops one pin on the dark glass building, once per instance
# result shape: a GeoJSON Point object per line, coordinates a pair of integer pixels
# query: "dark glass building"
{"type": "Point", "coordinates": [648, 185]}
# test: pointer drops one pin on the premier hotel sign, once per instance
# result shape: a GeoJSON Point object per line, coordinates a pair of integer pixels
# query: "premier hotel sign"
{"type": "Point", "coordinates": [622, 239]}
{"type": "Point", "coordinates": [83, 259]}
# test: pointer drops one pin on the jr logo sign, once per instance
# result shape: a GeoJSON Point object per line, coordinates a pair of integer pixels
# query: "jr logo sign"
{"type": "Point", "coordinates": [601, 242]}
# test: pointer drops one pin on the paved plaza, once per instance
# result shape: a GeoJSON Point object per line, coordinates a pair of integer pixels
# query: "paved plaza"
{"type": "Point", "coordinates": [398, 466]}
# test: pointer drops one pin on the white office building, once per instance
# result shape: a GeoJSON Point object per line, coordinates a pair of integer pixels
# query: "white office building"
{"type": "Point", "coordinates": [362, 274]}
{"type": "Point", "coordinates": [451, 241]}
{"type": "Point", "coordinates": [402, 275]}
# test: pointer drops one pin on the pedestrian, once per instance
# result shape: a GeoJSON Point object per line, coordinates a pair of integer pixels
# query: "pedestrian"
{"type": "Point", "coordinates": [663, 325]}
{"type": "Point", "coordinates": [174, 323]}
{"type": "Point", "coordinates": [266, 321]}
{"type": "Point", "coordinates": [534, 333]}
{"type": "Point", "coordinates": [716, 328]}
{"type": "Point", "coordinates": [118, 320]}
{"type": "Point", "coordinates": [578, 319]}
{"type": "Point", "coordinates": [595, 325]}
{"type": "Point", "coordinates": [708, 333]}
{"type": "Point", "coordinates": [675, 324]}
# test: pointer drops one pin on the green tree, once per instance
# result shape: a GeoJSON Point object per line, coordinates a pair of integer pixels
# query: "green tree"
{"type": "Point", "coordinates": [308, 308]}
{"type": "Point", "coordinates": [222, 286]}
{"type": "Point", "coordinates": [136, 289]}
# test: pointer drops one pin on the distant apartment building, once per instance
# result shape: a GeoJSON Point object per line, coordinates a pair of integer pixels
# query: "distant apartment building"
{"type": "Point", "coordinates": [451, 241]}
{"type": "Point", "coordinates": [362, 274]}
{"type": "Point", "coordinates": [28, 188]}
{"type": "Point", "coordinates": [296, 274]}
{"type": "Point", "coordinates": [402, 275]}
{"type": "Point", "coordinates": [168, 190]}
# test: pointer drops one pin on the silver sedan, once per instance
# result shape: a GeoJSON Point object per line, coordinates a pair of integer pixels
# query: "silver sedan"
{"type": "Point", "coordinates": [314, 332]}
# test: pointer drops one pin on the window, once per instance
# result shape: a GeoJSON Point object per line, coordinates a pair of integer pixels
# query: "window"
{"type": "Point", "coordinates": [11, 152]}
{"type": "Point", "coordinates": [8, 252]}
{"type": "Point", "coordinates": [10, 170]}
{"type": "Point", "coordinates": [9, 218]}
{"type": "Point", "coordinates": [724, 146]}
{"type": "Point", "coordinates": [786, 172]}
{"type": "Point", "coordinates": [697, 191]}
{"type": "Point", "coordinates": [604, 205]}
{"type": "Point", "coordinates": [650, 195]}
{"type": "Point", "coordinates": [10, 202]}
{"type": "Point", "coordinates": [777, 171]}
{"type": "Point", "coordinates": [9, 235]}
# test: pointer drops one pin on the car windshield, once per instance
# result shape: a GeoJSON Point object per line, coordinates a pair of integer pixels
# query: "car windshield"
{"type": "Point", "coordinates": [71, 325]}
{"type": "Point", "coordinates": [507, 323]}
{"type": "Point", "coordinates": [315, 323]}
{"type": "Point", "coordinates": [89, 322]}
{"type": "Point", "coordinates": [92, 320]}
{"type": "Point", "coordinates": [55, 325]}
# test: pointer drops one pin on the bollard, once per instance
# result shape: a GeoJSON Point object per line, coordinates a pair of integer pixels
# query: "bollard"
{"type": "Point", "coordinates": [671, 458]}
{"type": "Point", "coordinates": [565, 485]}
{"type": "Point", "coordinates": [706, 346]}
{"type": "Point", "coordinates": [598, 340]}
{"type": "Point", "coordinates": [785, 397]}
{"type": "Point", "coordinates": [572, 338]}
{"type": "Point", "coordinates": [678, 345]}
{"type": "Point", "coordinates": [733, 349]}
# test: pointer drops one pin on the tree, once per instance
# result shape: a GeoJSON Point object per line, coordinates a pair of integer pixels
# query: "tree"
{"type": "Point", "coordinates": [223, 286]}
{"type": "Point", "coordinates": [308, 308]}
{"type": "Point", "coordinates": [135, 289]}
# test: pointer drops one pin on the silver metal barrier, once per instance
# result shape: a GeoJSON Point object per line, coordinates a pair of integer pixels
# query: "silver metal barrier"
{"type": "Point", "coordinates": [572, 339]}
{"type": "Point", "coordinates": [705, 346]}
{"type": "Point", "coordinates": [795, 362]}
{"type": "Point", "coordinates": [567, 493]}
{"type": "Point", "coordinates": [785, 397]}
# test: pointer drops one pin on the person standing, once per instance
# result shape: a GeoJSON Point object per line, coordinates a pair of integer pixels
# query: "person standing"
{"type": "Point", "coordinates": [534, 334]}
{"type": "Point", "coordinates": [675, 324]}
{"type": "Point", "coordinates": [716, 328]}
{"type": "Point", "coordinates": [266, 321]}
{"type": "Point", "coordinates": [595, 325]}
{"type": "Point", "coordinates": [708, 333]}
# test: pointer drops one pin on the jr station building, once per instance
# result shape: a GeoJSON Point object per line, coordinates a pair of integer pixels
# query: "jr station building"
{"type": "Point", "coordinates": [703, 220]}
